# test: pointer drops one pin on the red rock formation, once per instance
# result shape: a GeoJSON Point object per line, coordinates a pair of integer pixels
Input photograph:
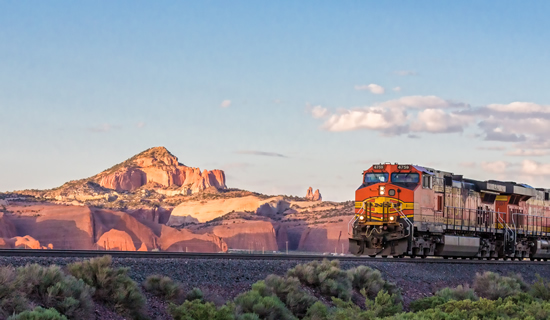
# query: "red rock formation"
{"type": "Point", "coordinates": [117, 240]}
{"type": "Point", "coordinates": [158, 165]}
{"type": "Point", "coordinates": [313, 196]}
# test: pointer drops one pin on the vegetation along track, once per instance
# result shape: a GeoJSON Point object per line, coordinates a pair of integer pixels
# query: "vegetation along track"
{"type": "Point", "coordinates": [237, 256]}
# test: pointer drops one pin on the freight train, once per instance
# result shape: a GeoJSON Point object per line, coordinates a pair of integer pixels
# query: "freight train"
{"type": "Point", "coordinates": [408, 210]}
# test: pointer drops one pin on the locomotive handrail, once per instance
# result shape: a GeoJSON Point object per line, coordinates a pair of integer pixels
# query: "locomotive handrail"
{"type": "Point", "coordinates": [352, 220]}
{"type": "Point", "coordinates": [411, 225]}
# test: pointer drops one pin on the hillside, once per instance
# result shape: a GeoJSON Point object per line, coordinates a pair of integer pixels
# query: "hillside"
{"type": "Point", "coordinates": [153, 202]}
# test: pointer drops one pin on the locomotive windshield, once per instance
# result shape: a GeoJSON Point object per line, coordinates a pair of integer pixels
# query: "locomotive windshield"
{"type": "Point", "coordinates": [407, 180]}
{"type": "Point", "coordinates": [375, 177]}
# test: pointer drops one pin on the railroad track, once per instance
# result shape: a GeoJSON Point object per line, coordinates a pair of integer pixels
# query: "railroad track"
{"type": "Point", "coordinates": [240, 256]}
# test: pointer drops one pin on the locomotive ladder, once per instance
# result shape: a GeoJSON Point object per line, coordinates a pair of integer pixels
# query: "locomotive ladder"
{"type": "Point", "coordinates": [509, 236]}
{"type": "Point", "coordinates": [354, 219]}
{"type": "Point", "coordinates": [408, 221]}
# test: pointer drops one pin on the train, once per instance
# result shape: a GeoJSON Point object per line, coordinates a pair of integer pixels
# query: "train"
{"type": "Point", "coordinates": [409, 210]}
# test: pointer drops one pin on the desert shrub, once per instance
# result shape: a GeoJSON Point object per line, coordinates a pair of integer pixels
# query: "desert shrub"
{"type": "Point", "coordinates": [318, 311]}
{"type": "Point", "coordinates": [12, 300]}
{"type": "Point", "coordinates": [383, 305]}
{"type": "Point", "coordinates": [370, 280]}
{"type": "Point", "coordinates": [458, 293]}
{"type": "Point", "coordinates": [262, 302]}
{"type": "Point", "coordinates": [492, 286]}
{"type": "Point", "coordinates": [112, 286]}
{"type": "Point", "coordinates": [540, 288]}
{"type": "Point", "coordinates": [39, 314]}
{"type": "Point", "coordinates": [325, 276]}
{"type": "Point", "coordinates": [289, 291]}
{"type": "Point", "coordinates": [163, 287]}
{"type": "Point", "coordinates": [197, 310]}
{"type": "Point", "coordinates": [195, 294]}
{"type": "Point", "coordinates": [51, 288]}
{"type": "Point", "coordinates": [442, 296]}
{"type": "Point", "coordinates": [520, 306]}
{"type": "Point", "coordinates": [426, 303]}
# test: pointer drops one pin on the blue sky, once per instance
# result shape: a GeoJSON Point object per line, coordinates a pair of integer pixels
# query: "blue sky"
{"type": "Point", "coordinates": [331, 86]}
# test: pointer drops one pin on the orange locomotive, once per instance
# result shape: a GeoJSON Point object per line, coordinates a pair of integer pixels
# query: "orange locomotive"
{"type": "Point", "coordinates": [410, 210]}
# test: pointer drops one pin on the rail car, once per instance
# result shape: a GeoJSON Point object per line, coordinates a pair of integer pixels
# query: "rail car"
{"type": "Point", "coordinates": [409, 210]}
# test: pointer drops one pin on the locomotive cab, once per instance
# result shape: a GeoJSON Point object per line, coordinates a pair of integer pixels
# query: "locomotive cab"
{"type": "Point", "coordinates": [384, 210]}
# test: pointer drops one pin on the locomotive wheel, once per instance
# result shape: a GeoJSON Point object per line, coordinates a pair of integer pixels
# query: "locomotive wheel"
{"type": "Point", "coordinates": [372, 255]}
{"type": "Point", "coordinates": [384, 256]}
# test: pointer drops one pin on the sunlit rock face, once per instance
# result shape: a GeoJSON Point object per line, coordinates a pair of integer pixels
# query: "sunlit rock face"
{"type": "Point", "coordinates": [158, 166]}
{"type": "Point", "coordinates": [313, 196]}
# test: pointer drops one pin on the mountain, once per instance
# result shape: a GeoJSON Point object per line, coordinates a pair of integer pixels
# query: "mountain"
{"type": "Point", "coordinates": [153, 202]}
{"type": "Point", "coordinates": [153, 169]}
{"type": "Point", "coordinates": [159, 166]}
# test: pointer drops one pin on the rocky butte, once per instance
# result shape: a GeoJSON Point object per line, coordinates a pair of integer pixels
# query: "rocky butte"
{"type": "Point", "coordinates": [153, 202]}
{"type": "Point", "coordinates": [159, 166]}
{"type": "Point", "coordinates": [313, 196]}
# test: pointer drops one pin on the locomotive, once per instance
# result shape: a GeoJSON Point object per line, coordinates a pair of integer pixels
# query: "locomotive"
{"type": "Point", "coordinates": [409, 210]}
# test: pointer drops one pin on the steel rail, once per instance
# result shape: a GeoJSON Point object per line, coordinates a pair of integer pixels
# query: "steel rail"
{"type": "Point", "coordinates": [238, 256]}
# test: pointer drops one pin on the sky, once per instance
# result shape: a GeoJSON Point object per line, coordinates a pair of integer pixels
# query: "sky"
{"type": "Point", "coordinates": [281, 95]}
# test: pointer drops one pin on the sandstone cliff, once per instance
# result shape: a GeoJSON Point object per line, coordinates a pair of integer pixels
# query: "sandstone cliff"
{"type": "Point", "coordinates": [158, 166]}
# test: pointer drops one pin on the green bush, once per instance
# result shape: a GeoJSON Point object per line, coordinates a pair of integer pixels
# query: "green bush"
{"type": "Point", "coordinates": [442, 296]}
{"type": "Point", "coordinates": [164, 287]}
{"type": "Point", "coordinates": [521, 306]}
{"type": "Point", "coordinates": [371, 281]}
{"type": "Point", "coordinates": [318, 311]}
{"type": "Point", "coordinates": [112, 286]}
{"type": "Point", "coordinates": [383, 305]}
{"type": "Point", "coordinates": [263, 303]}
{"type": "Point", "coordinates": [197, 310]}
{"type": "Point", "coordinates": [492, 286]}
{"type": "Point", "coordinates": [289, 291]}
{"type": "Point", "coordinates": [51, 288]}
{"type": "Point", "coordinates": [325, 276]}
{"type": "Point", "coordinates": [195, 294]}
{"type": "Point", "coordinates": [458, 293]}
{"type": "Point", "coordinates": [12, 300]}
{"type": "Point", "coordinates": [39, 314]}
{"type": "Point", "coordinates": [541, 289]}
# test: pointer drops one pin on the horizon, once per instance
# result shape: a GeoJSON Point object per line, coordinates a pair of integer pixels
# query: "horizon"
{"type": "Point", "coordinates": [281, 96]}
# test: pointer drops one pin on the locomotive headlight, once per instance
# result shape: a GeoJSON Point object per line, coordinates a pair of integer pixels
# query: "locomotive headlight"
{"type": "Point", "coordinates": [382, 190]}
{"type": "Point", "coordinates": [361, 217]}
{"type": "Point", "coordinates": [392, 218]}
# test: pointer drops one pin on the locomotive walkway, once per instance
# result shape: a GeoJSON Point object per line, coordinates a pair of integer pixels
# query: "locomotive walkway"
{"type": "Point", "coordinates": [239, 256]}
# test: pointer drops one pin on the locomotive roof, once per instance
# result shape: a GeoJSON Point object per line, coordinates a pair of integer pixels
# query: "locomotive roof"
{"type": "Point", "coordinates": [493, 186]}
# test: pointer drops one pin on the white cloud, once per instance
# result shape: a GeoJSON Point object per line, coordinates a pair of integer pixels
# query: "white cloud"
{"type": "Point", "coordinates": [140, 124]}
{"type": "Point", "coordinates": [397, 89]}
{"type": "Point", "coordinates": [422, 102]}
{"type": "Point", "coordinates": [528, 153]}
{"type": "Point", "coordinates": [400, 116]}
{"type": "Point", "coordinates": [495, 166]}
{"type": "Point", "coordinates": [225, 103]}
{"type": "Point", "coordinates": [373, 118]}
{"type": "Point", "coordinates": [534, 168]}
{"type": "Point", "coordinates": [373, 88]}
{"type": "Point", "coordinates": [404, 73]}
{"type": "Point", "coordinates": [438, 121]}
{"type": "Point", "coordinates": [318, 112]}
{"type": "Point", "coordinates": [520, 107]}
